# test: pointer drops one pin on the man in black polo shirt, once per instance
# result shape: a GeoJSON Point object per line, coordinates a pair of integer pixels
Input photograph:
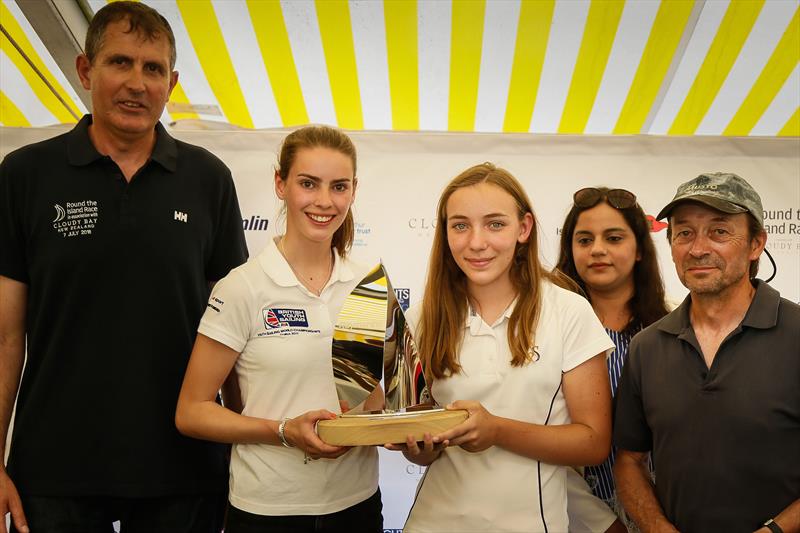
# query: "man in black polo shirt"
{"type": "Point", "coordinates": [110, 235]}
{"type": "Point", "coordinates": [713, 388]}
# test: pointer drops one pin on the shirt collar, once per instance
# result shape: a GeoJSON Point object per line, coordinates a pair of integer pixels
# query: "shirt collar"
{"type": "Point", "coordinates": [81, 151]}
{"type": "Point", "coordinates": [762, 313]}
{"type": "Point", "coordinates": [474, 320]}
{"type": "Point", "coordinates": [277, 268]}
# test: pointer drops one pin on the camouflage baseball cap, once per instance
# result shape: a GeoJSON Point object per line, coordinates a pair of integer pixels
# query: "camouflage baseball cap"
{"type": "Point", "coordinates": [721, 190]}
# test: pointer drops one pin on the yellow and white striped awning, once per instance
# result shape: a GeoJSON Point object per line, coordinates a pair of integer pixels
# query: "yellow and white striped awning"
{"type": "Point", "coordinates": [677, 67]}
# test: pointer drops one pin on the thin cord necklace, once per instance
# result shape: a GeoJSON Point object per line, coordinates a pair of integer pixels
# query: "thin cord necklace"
{"type": "Point", "coordinates": [308, 283]}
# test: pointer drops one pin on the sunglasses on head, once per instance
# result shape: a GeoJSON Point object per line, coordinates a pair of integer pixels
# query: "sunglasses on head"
{"type": "Point", "coordinates": [591, 196]}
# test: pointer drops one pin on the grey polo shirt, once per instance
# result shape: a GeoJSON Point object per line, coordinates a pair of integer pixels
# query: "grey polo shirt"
{"type": "Point", "coordinates": [725, 439]}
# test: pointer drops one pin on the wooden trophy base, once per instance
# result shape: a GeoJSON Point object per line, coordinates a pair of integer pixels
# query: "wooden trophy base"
{"type": "Point", "coordinates": [390, 428]}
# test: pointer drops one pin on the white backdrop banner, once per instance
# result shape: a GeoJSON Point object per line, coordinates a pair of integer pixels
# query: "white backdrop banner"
{"type": "Point", "coordinates": [402, 174]}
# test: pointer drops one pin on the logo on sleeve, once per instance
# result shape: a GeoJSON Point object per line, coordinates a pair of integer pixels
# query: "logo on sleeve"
{"type": "Point", "coordinates": [215, 304]}
{"type": "Point", "coordinates": [76, 218]}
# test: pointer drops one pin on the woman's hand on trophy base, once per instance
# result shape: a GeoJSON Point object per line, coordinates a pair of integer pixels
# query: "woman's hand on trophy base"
{"type": "Point", "coordinates": [476, 433]}
{"type": "Point", "coordinates": [420, 455]}
{"type": "Point", "coordinates": [301, 432]}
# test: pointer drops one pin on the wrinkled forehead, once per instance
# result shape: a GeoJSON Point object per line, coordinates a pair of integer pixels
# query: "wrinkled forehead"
{"type": "Point", "coordinates": [119, 34]}
{"type": "Point", "coordinates": [691, 211]}
{"type": "Point", "coordinates": [121, 29]}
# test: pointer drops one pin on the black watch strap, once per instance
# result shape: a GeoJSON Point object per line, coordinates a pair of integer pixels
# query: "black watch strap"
{"type": "Point", "coordinates": [772, 526]}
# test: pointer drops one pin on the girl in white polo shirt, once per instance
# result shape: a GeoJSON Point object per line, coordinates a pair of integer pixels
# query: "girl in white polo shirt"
{"type": "Point", "coordinates": [271, 322]}
{"type": "Point", "coordinates": [525, 357]}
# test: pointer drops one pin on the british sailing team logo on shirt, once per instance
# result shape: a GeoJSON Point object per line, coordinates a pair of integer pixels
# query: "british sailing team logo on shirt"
{"type": "Point", "coordinates": [283, 321]}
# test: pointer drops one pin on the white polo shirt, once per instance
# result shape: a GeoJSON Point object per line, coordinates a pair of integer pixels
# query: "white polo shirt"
{"type": "Point", "coordinates": [497, 490]}
{"type": "Point", "coordinates": [284, 334]}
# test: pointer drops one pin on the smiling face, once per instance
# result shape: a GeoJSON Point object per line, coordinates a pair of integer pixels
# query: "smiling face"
{"type": "Point", "coordinates": [483, 229]}
{"type": "Point", "coordinates": [604, 249]}
{"type": "Point", "coordinates": [130, 81]}
{"type": "Point", "coordinates": [318, 191]}
{"type": "Point", "coordinates": [712, 250]}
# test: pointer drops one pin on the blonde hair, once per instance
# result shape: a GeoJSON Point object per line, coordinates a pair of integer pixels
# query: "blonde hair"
{"type": "Point", "coordinates": [325, 137]}
{"type": "Point", "coordinates": [444, 305]}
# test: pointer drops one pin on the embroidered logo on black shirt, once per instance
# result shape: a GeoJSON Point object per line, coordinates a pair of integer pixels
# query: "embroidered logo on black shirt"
{"type": "Point", "coordinates": [76, 218]}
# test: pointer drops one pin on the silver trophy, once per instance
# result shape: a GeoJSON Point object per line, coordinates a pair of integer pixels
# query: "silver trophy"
{"type": "Point", "coordinates": [378, 373]}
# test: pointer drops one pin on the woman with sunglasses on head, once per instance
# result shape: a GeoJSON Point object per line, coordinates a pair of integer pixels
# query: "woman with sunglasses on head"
{"type": "Point", "coordinates": [523, 356]}
{"type": "Point", "coordinates": [606, 248]}
{"type": "Point", "coordinates": [271, 322]}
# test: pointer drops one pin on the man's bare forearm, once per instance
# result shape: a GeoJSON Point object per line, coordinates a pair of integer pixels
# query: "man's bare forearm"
{"type": "Point", "coordinates": [635, 491]}
{"type": "Point", "coordinates": [13, 303]}
{"type": "Point", "coordinates": [788, 519]}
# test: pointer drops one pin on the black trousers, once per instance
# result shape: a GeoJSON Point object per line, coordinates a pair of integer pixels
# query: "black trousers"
{"type": "Point", "coordinates": [364, 517]}
{"type": "Point", "coordinates": [96, 514]}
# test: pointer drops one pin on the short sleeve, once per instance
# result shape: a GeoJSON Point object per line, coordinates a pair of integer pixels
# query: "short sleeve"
{"type": "Point", "coordinates": [230, 247]}
{"type": "Point", "coordinates": [631, 431]}
{"type": "Point", "coordinates": [229, 312]}
{"type": "Point", "coordinates": [582, 333]}
{"type": "Point", "coordinates": [12, 241]}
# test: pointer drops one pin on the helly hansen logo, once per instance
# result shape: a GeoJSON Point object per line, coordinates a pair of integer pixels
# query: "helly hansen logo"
{"type": "Point", "coordinates": [181, 216]}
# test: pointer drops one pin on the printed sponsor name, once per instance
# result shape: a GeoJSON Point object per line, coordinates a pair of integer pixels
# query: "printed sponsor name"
{"type": "Point", "coordinates": [422, 223]}
{"type": "Point", "coordinates": [700, 187]}
{"type": "Point", "coordinates": [403, 296]}
{"type": "Point", "coordinates": [362, 235]}
{"type": "Point", "coordinates": [255, 223]}
{"type": "Point", "coordinates": [415, 470]}
{"type": "Point", "coordinates": [215, 304]}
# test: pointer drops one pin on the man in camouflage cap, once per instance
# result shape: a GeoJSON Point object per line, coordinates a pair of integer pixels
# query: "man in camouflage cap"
{"type": "Point", "coordinates": [724, 192]}
{"type": "Point", "coordinates": [711, 390]}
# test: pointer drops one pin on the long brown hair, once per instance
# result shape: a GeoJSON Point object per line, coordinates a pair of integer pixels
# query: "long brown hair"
{"type": "Point", "coordinates": [324, 137]}
{"type": "Point", "coordinates": [444, 305]}
{"type": "Point", "coordinates": [647, 303]}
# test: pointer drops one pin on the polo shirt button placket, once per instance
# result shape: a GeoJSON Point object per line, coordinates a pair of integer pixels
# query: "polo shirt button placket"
{"type": "Point", "coordinates": [125, 218]}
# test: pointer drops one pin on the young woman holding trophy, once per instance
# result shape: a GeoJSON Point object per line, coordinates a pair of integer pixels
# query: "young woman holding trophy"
{"type": "Point", "coordinates": [271, 321]}
{"type": "Point", "coordinates": [524, 356]}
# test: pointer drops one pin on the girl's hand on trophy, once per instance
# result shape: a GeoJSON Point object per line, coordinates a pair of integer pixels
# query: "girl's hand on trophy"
{"type": "Point", "coordinates": [476, 433]}
{"type": "Point", "coordinates": [344, 406]}
{"type": "Point", "coordinates": [420, 455]}
{"type": "Point", "coordinates": [301, 432]}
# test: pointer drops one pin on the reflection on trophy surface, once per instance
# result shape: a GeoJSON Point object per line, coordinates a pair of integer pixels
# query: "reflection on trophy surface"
{"type": "Point", "coordinates": [402, 365]}
{"type": "Point", "coordinates": [371, 337]}
{"type": "Point", "coordinates": [358, 344]}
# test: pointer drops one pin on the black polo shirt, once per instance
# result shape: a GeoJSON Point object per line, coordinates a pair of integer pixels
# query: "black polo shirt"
{"type": "Point", "coordinates": [725, 440]}
{"type": "Point", "coordinates": [117, 277]}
